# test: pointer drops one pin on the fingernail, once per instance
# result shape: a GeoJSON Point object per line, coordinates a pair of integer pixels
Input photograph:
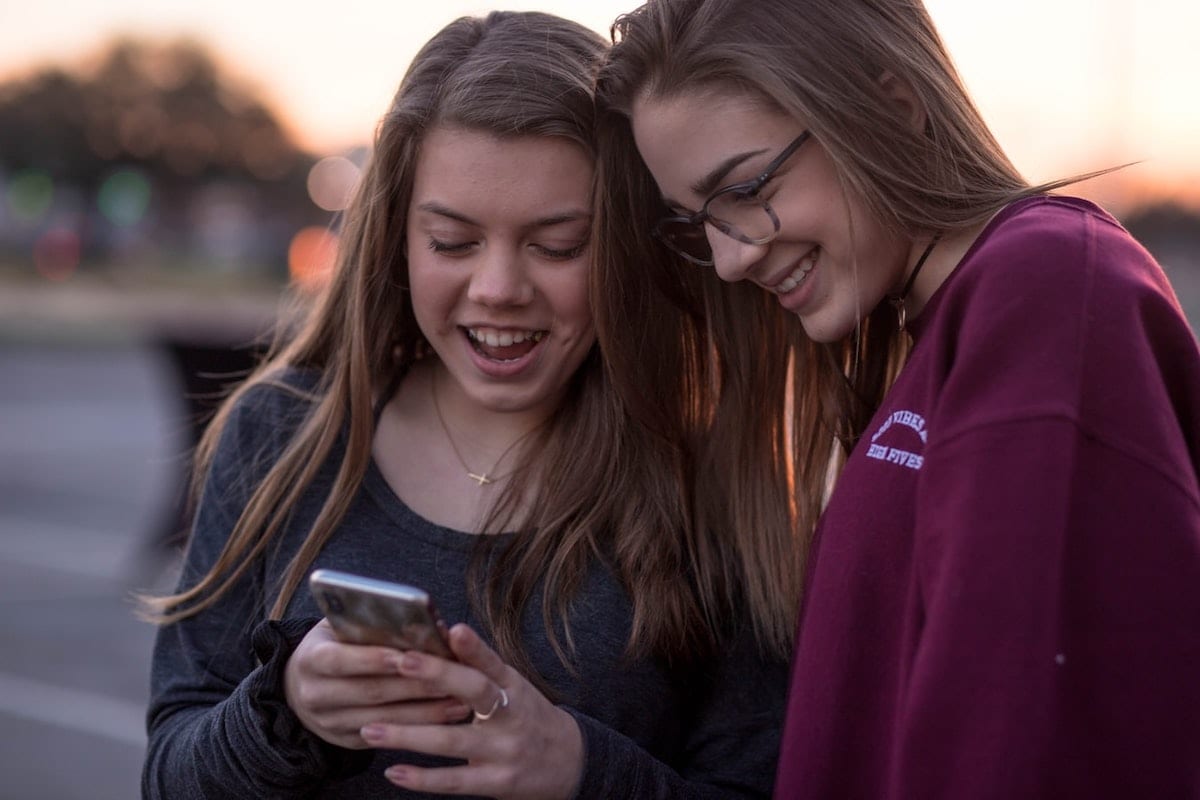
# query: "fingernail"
{"type": "Point", "coordinates": [372, 732]}
{"type": "Point", "coordinates": [396, 774]}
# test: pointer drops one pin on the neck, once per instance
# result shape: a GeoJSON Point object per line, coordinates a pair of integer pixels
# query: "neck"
{"type": "Point", "coordinates": [940, 265]}
{"type": "Point", "coordinates": [481, 435]}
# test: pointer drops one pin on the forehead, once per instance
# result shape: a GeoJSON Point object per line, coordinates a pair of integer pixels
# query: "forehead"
{"type": "Point", "coordinates": [477, 169]}
{"type": "Point", "coordinates": [684, 136]}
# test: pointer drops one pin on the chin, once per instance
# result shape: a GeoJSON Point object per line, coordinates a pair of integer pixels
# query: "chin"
{"type": "Point", "coordinates": [821, 329]}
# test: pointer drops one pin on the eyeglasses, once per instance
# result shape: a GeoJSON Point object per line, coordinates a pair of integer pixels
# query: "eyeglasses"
{"type": "Point", "coordinates": [735, 210]}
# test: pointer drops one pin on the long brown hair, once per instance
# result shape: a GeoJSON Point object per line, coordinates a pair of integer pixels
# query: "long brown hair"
{"type": "Point", "coordinates": [606, 487]}
{"type": "Point", "coordinates": [757, 406]}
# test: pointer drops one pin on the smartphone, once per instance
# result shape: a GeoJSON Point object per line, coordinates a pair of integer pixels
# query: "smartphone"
{"type": "Point", "coordinates": [370, 611]}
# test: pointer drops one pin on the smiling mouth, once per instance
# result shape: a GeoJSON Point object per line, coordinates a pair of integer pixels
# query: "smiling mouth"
{"type": "Point", "coordinates": [504, 345]}
{"type": "Point", "coordinates": [797, 276]}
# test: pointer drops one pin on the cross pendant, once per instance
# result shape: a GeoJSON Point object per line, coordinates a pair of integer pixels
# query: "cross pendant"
{"type": "Point", "coordinates": [480, 479]}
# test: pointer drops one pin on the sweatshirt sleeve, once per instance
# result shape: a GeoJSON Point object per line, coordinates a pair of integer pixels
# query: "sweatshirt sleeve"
{"type": "Point", "coordinates": [218, 724]}
{"type": "Point", "coordinates": [730, 751]}
{"type": "Point", "coordinates": [1058, 552]}
{"type": "Point", "coordinates": [1061, 639]}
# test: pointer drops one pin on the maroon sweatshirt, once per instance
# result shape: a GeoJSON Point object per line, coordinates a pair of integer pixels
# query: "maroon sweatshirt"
{"type": "Point", "coordinates": [1004, 600]}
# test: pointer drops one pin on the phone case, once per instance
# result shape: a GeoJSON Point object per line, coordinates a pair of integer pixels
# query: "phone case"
{"type": "Point", "coordinates": [370, 611]}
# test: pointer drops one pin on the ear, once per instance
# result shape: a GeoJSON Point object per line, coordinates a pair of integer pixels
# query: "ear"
{"type": "Point", "coordinates": [904, 100]}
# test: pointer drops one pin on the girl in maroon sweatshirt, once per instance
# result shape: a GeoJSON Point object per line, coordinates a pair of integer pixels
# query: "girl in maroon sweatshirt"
{"type": "Point", "coordinates": [1003, 588]}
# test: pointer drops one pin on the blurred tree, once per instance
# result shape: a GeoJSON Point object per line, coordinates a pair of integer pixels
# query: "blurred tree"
{"type": "Point", "coordinates": [42, 125]}
{"type": "Point", "coordinates": [169, 106]}
{"type": "Point", "coordinates": [169, 111]}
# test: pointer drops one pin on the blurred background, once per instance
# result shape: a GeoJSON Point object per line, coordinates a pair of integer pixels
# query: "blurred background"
{"type": "Point", "coordinates": [170, 176]}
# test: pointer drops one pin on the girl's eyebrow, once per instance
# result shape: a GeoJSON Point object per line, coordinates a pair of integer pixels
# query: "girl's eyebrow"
{"type": "Point", "coordinates": [573, 215]}
{"type": "Point", "coordinates": [713, 180]}
{"type": "Point", "coordinates": [443, 211]}
{"type": "Point", "coordinates": [570, 215]}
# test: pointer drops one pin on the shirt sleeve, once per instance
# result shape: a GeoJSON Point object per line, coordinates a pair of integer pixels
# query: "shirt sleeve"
{"type": "Point", "coordinates": [218, 724]}
{"type": "Point", "coordinates": [730, 751]}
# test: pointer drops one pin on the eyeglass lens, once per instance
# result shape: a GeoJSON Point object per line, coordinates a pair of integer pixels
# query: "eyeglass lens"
{"type": "Point", "coordinates": [736, 214]}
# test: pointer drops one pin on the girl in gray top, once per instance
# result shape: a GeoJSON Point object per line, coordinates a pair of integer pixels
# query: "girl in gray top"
{"type": "Point", "coordinates": [444, 419]}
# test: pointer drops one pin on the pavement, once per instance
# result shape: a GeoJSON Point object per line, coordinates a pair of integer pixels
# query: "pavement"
{"type": "Point", "coordinates": [91, 444]}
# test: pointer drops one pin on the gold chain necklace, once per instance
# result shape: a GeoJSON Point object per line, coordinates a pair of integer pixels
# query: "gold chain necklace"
{"type": "Point", "coordinates": [483, 478]}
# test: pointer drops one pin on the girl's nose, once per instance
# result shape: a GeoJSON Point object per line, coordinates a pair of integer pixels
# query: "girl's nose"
{"type": "Point", "coordinates": [500, 279]}
{"type": "Point", "coordinates": [732, 258]}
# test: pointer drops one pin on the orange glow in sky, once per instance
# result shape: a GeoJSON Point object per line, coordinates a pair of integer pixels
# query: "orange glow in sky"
{"type": "Point", "coordinates": [1067, 85]}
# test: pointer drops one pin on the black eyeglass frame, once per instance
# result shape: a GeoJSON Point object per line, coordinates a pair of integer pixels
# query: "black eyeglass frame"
{"type": "Point", "coordinates": [750, 187]}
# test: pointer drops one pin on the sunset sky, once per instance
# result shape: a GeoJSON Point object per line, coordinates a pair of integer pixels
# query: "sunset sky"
{"type": "Point", "coordinates": [1068, 85]}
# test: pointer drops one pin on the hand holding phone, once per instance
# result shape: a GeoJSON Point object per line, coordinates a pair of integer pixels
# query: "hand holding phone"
{"type": "Point", "coordinates": [370, 611]}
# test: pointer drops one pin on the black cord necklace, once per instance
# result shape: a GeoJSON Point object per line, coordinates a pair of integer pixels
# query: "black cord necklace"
{"type": "Point", "coordinates": [897, 300]}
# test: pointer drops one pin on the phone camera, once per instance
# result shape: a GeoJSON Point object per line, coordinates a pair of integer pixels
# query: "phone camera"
{"type": "Point", "coordinates": [334, 603]}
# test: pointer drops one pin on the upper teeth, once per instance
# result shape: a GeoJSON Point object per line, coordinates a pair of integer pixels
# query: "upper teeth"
{"type": "Point", "coordinates": [798, 275]}
{"type": "Point", "coordinates": [495, 338]}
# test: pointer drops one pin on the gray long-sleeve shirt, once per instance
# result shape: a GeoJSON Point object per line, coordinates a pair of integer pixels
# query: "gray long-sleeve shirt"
{"type": "Point", "coordinates": [219, 727]}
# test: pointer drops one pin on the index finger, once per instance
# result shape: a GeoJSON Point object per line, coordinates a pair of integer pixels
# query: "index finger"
{"type": "Point", "coordinates": [334, 658]}
{"type": "Point", "coordinates": [473, 651]}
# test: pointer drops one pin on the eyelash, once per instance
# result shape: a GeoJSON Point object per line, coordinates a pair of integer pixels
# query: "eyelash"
{"type": "Point", "coordinates": [564, 255]}
{"type": "Point", "coordinates": [747, 196]}
{"type": "Point", "coordinates": [446, 248]}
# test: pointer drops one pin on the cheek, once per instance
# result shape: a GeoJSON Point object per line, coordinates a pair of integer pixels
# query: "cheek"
{"type": "Point", "coordinates": [430, 293]}
{"type": "Point", "coordinates": [576, 346]}
{"type": "Point", "coordinates": [577, 334]}
{"type": "Point", "coordinates": [568, 294]}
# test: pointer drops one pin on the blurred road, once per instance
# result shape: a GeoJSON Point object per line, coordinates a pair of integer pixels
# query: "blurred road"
{"type": "Point", "coordinates": [90, 438]}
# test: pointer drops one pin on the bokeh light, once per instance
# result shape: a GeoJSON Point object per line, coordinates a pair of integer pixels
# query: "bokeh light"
{"type": "Point", "coordinates": [30, 193]}
{"type": "Point", "coordinates": [124, 197]}
{"type": "Point", "coordinates": [56, 254]}
{"type": "Point", "coordinates": [311, 257]}
{"type": "Point", "coordinates": [332, 182]}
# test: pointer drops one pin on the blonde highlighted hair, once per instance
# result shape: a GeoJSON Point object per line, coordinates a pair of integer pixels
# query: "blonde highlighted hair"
{"type": "Point", "coordinates": [763, 415]}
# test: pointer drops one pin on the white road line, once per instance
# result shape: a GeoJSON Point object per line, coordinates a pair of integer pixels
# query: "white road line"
{"type": "Point", "coordinates": [86, 712]}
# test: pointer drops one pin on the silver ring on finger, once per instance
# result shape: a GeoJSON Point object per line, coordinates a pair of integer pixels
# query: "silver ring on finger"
{"type": "Point", "coordinates": [501, 702]}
